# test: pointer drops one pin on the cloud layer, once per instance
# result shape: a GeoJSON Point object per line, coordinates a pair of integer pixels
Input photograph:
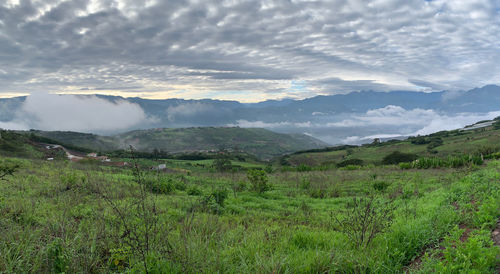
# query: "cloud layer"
{"type": "Point", "coordinates": [76, 113]}
{"type": "Point", "coordinates": [388, 122]}
{"type": "Point", "coordinates": [246, 50]}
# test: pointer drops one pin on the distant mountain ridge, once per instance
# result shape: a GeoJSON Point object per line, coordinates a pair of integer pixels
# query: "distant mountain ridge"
{"type": "Point", "coordinates": [221, 112]}
{"type": "Point", "coordinates": [317, 116]}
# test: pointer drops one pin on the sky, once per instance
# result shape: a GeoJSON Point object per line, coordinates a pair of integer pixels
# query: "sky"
{"type": "Point", "coordinates": [246, 50]}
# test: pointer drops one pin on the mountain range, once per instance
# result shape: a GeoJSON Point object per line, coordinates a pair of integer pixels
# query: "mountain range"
{"type": "Point", "coordinates": [355, 117]}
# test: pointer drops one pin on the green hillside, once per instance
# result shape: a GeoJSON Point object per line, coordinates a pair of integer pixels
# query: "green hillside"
{"type": "Point", "coordinates": [13, 144]}
{"type": "Point", "coordinates": [82, 140]}
{"type": "Point", "coordinates": [262, 143]}
{"type": "Point", "coordinates": [442, 144]}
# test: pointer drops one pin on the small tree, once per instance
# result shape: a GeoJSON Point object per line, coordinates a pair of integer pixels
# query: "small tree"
{"type": "Point", "coordinates": [222, 164]}
{"type": "Point", "coordinates": [365, 218]}
{"type": "Point", "coordinates": [137, 222]}
{"type": "Point", "coordinates": [259, 180]}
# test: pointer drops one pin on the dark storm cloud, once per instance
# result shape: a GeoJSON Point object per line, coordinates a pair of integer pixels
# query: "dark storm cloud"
{"type": "Point", "coordinates": [211, 47]}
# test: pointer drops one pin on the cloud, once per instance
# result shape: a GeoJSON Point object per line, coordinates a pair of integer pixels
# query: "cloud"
{"type": "Point", "coordinates": [76, 113]}
{"type": "Point", "coordinates": [387, 122]}
{"type": "Point", "coordinates": [189, 110]}
{"type": "Point", "coordinates": [276, 125]}
{"type": "Point", "coordinates": [401, 122]}
{"type": "Point", "coordinates": [217, 49]}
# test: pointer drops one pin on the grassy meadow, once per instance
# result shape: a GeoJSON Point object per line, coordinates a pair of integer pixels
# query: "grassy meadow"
{"type": "Point", "coordinates": [428, 204]}
{"type": "Point", "coordinates": [69, 217]}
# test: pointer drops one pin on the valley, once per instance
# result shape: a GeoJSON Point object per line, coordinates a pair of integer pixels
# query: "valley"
{"type": "Point", "coordinates": [299, 212]}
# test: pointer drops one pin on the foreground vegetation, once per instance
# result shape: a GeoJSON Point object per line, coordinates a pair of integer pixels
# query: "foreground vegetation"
{"type": "Point", "coordinates": [70, 217]}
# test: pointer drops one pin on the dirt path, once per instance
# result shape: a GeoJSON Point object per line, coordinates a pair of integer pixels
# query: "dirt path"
{"type": "Point", "coordinates": [70, 156]}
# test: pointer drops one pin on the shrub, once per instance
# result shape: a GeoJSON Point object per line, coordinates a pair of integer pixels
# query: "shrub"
{"type": "Point", "coordinates": [222, 164]}
{"type": "Point", "coordinates": [238, 186]}
{"type": "Point", "coordinates": [356, 162]}
{"type": "Point", "coordinates": [397, 157]}
{"type": "Point", "coordinates": [219, 196]}
{"type": "Point", "coordinates": [213, 203]}
{"type": "Point", "coordinates": [259, 180]}
{"type": "Point", "coordinates": [380, 185]}
{"type": "Point", "coordinates": [180, 186]}
{"type": "Point", "coordinates": [366, 218]}
{"type": "Point", "coordinates": [72, 180]}
{"type": "Point", "coordinates": [119, 259]}
{"type": "Point", "coordinates": [194, 191]}
{"type": "Point", "coordinates": [419, 140]}
{"type": "Point", "coordinates": [303, 168]}
{"type": "Point", "coordinates": [496, 125]}
{"type": "Point", "coordinates": [269, 169]}
{"type": "Point", "coordinates": [7, 168]}
{"type": "Point", "coordinates": [405, 165]}
{"type": "Point", "coordinates": [434, 142]}
{"type": "Point", "coordinates": [160, 185]}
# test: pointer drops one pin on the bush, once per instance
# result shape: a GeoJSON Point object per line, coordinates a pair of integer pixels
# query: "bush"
{"type": "Point", "coordinates": [220, 196]}
{"type": "Point", "coordinates": [380, 185]}
{"type": "Point", "coordinates": [364, 219]}
{"type": "Point", "coordinates": [213, 203]}
{"type": "Point", "coordinates": [303, 168]}
{"type": "Point", "coordinates": [194, 191]}
{"type": "Point", "coordinates": [180, 186]}
{"type": "Point", "coordinates": [419, 140]}
{"type": "Point", "coordinates": [72, 180]}
{"type": "Point", "coordinates": [406, 165]}
{"type": "Point", "coordinates": [222, 164]}
{"type": "Point", "coordinates": [434, 142]}
{"type": "Point", "coordinates": [160, 185]}
{"type": "Point", "coordinates": [397, 157]}
{"type": "Point", "coordinates": [496, 125]}
{"type": "Point", "coordinates": [350, 162]}
{"type": "Point", "coordinates": [259, 180]}
{"type": "Point", "coordinates": [7, 168]}
{"type": "Point", "coordinates": [269, 169]}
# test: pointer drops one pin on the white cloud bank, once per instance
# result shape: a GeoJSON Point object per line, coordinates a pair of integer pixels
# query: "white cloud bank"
{"type": "Point", "coordinates": [387, 122]}
{"type": "Point", "coordinates": [76, 113]}
{"type": "Point", "coordinates": [426, 120]}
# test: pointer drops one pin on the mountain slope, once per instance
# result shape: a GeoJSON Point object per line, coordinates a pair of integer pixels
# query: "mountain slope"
{"type": "Point", "coordinates": [262, 143]}
{"type": "Point", "coordinates": [481, 138]}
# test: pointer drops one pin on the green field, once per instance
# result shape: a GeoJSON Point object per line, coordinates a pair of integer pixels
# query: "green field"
{"type": "Point", "coordinates": [60, 216]}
